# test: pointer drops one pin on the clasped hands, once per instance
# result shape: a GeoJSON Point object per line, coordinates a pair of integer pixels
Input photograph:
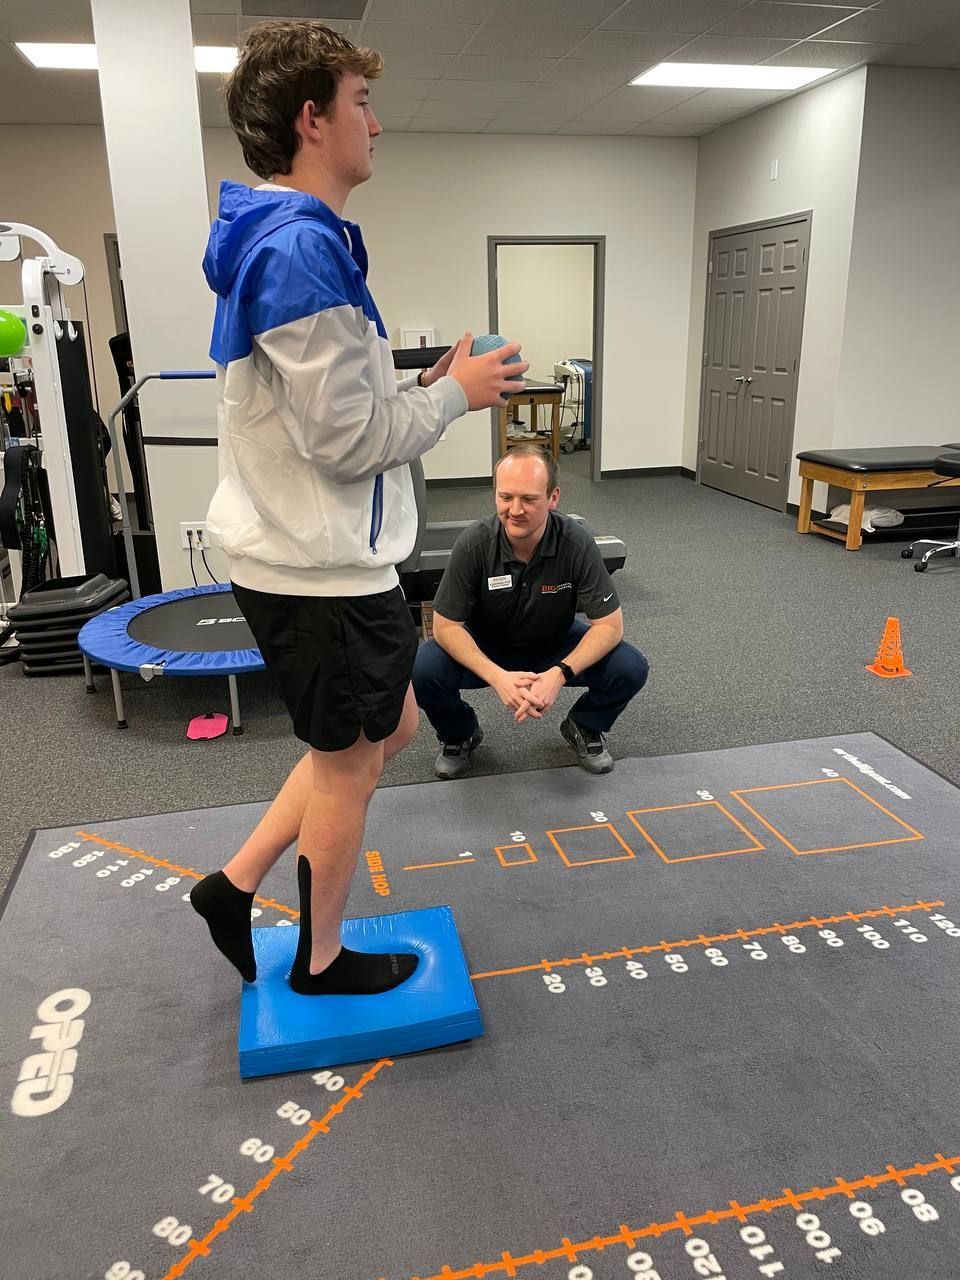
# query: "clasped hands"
{"type": "Point", "coordinates": [529, 694]}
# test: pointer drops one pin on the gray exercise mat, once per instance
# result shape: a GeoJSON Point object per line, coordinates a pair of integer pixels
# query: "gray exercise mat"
{"type": "Point", "coordinates": [720, 993]}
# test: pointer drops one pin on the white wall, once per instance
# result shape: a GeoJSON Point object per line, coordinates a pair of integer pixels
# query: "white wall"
{"type": "Point", "coordinates": [816, 139]}
{"type": "Point", "coordinates": [545, 301]}
{"type": "Point", "coordinates": [426, 216]}
{"type": "Point", "coordinates": [902, 332]}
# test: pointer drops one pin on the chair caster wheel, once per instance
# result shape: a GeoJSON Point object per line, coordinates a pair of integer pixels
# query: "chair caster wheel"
{"type": "Point", "coordinates": [568, 447]}
{"type": "Point", "coordinates": [920, 566]}
{"type": "Point", "coordinates": [906, 553]}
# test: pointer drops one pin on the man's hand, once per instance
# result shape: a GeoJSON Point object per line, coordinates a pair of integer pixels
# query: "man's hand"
{"type": "Point", "coordinates": [540, 695]}
{"type": "Point", "coordinates": [513, 690]}
{"type": "Point", "coordinates": [487, 379]}
{"type": "Point", "coordinates": [442, 367]}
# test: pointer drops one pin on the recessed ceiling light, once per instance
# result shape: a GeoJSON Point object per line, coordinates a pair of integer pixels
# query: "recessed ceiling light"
{"type": "Point", "coordinates": [69, 57]}
{"type": "Point", "coordinates": [83, 57]}
{"type": "Point", "coordinates": [212, 57]}
{"type": "Point", "coordinates": [709, 75]}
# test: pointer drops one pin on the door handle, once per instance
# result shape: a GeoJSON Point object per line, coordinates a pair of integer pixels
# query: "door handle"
{"type": "Point", "coordinates": [741, 378]}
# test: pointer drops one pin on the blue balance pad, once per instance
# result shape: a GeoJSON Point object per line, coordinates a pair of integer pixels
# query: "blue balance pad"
{"type": "Point", "coordinates": [282, 1031]}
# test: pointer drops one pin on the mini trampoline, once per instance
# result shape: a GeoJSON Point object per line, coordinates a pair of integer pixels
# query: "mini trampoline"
{"type": "Point", "coordinates": [195, 631]}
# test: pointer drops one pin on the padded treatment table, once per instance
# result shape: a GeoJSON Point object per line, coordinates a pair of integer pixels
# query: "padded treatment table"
{"type": "Point", "coordinates": [860, 471]}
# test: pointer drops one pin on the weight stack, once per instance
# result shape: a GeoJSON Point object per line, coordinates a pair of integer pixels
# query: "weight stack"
{"type": "Point", "coordinates": [48, 620]}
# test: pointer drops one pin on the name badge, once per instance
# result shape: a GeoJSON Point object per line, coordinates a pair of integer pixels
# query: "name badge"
{"type": "Point", "coordinates": [503, 583]}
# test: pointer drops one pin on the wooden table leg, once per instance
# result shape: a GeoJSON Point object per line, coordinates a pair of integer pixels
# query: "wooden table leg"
{"type": "Point", "coordinates": [555, 430]}
{"type": "Point", "coordinates": [854, 532]}
{"type": "Point", "coordinates": [503, 429]}
{"type": "Point", "coordinates": [806, 505]}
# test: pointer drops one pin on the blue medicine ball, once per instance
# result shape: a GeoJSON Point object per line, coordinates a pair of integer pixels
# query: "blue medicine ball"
{"type": "Point", "coordinates": [489, 342]}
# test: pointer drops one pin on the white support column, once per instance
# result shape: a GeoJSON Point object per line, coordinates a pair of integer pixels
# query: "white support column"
{"type": "Point", "coordinates": [151, 120]}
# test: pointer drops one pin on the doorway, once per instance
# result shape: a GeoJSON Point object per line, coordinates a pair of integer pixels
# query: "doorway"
{"type": "Point", "coordinates": [756, 287]}
{"type": "Point", "coordinates": [547, 293]}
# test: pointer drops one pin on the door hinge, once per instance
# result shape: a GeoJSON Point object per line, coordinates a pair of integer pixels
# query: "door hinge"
{"type": "Point", "coordinates": [794, 366]}
{"type": "Point", "coordinates": [705, 359]}
{"type": "Point", "coordinates": [710, 267]}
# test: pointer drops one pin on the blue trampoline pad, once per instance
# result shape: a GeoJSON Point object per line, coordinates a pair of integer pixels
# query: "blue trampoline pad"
{"type": "Point", "coordinates": [283, 1031]}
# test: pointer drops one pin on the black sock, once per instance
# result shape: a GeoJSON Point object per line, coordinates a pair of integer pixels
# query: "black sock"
{"type": "Point", "coordinates": [351, 973]}
{"type": "Point", "coordinates": [226, 910]}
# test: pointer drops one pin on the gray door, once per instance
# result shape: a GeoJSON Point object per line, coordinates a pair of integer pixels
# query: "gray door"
{"type": "Point", "coordinates": [756, 285]}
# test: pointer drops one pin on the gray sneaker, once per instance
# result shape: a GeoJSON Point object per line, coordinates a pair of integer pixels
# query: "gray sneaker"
{"type": "Point", "coordinates": [591, 749]}
{"type": "Point", "coordinates": [454, 758]}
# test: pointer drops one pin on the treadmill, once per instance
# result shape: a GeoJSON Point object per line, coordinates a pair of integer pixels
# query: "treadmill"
{"type": "Point", "coordinates": [421, 572]}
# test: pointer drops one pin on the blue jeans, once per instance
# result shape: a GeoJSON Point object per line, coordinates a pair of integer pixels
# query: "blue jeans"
{"type": "Point", "coordinates": [609, 683]}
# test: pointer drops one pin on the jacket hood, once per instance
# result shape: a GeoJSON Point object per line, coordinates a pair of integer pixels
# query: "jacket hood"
{"type": "Point", "coordinates": [249, 214]}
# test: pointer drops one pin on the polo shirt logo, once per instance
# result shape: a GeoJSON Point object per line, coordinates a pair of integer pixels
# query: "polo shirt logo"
{"type": "Point", "coordinates": [548, 590]}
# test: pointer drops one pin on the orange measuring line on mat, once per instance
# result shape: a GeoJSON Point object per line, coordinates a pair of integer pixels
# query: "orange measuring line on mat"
{"type": "Point", "coordinates": [568, 1250]}
{"type": "Point", "coordinates": [172, 866]}
{"type": "Point", "coordinates": [281, 1164]}
{"type": "Point", "coordinates": [427, 866]}
{"type": "Point", "coordinates": [705, 940]}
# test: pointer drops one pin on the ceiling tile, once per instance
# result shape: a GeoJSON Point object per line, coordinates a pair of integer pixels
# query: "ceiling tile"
{"type": "Point", "coordinates": [521, 113]}
{"type": "Point", "coordinates": [398, 87]}
{"type": "Point", "coordinates": [593, 73]}
{"type": "Point", "coordinates": [58, 26]}
{"type": "Point", "coordinates": [70, 82]}
{"type": "Point", "coordinates": [462, 124]}
{"type": "Point", "coordinates": [689, 16]}
{"type": "Point", "coordinates": [326, 11]}
{"type": "Point", "coordinates": [562, 97]}
{"type": "Point", "coordinates": [430, 10]}
{"type": "Point", "coordinates": [729, 49]}
{"type": "Point", "coordinates": [626, 44]}
{"type": "Point", "coordinates": [478, 98]}
{"type": "Point", "coordinates": [395, 107]}
{"type": "Point", "coordinates": [395, 124]}
{"type": "Point", "coordinates": [514, 42]}
{"type": "Point", "coordinates": [652, 129]}
{"type": "Point", "coordinates": [216, 29]}
{"type": "Point", "coordinates": [248, 20]}
{"type": "Point", "coordinates": [878, 27]}
{"type": "Point", "coordinates": [214, 6]}
{"type": "Point", "coordinates": [505, 126]}
{"type": "Point", "coordinates": [592, 130]}
{"type": "Point", "coordinates": [484, 67]}
{"type": "Point", "coordinates": [827, 53]}
{"type": "Point", "coordinates": [416, 37]}
{"type": "Point", "coordinates": [783, 21]}
{"type": "Point", "coordinates": [693, 113]}
{"type": "Point", "coordinates": [546, 13]}
{"type": "Point", "coordinates": [419, 66]}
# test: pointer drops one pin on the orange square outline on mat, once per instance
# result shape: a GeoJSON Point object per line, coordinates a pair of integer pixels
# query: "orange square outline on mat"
{"type": "Point", "coordinates": [840, 848]}
{"type": "Point", "coordinates": [500, 849]}
{"type": "Point", "coordinates": [592, 826]}
{"type": "Point", "coordinates": [756, 847]}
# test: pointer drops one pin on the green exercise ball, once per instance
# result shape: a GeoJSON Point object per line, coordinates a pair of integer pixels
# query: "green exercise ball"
{"type": "Point", "coordinates": [13, 334]}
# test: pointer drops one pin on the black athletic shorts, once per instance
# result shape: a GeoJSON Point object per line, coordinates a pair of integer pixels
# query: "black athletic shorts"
{"type": "Point", "coordinates": [342, 663]}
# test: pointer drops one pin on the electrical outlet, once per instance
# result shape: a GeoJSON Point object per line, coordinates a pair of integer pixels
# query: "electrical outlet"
{"type": "Point", "coordinates": [198, 529]}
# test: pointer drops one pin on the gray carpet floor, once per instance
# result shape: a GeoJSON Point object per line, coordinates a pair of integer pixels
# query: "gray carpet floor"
{"type": "Point", "coordinates": [753, 633]}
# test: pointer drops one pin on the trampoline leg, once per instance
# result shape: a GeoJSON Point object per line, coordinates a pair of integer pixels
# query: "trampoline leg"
{"type": "Point", "coordinates": [118, 698]}
{"type": "Point", "coordinates": [88, 675]}
{"type": "Point", "coordinates": [235, 704]}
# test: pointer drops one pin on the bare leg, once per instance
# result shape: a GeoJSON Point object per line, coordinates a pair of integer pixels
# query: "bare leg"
{"type": "Point", "coordinates": [281, 824]}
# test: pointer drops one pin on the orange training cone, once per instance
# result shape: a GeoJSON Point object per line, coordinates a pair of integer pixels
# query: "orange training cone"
{"type": "Point", "coordinates": [889, 660]}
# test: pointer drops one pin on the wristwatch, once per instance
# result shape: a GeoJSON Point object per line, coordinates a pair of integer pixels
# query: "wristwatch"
{"type": "Point", "coordinates": [569, 675]}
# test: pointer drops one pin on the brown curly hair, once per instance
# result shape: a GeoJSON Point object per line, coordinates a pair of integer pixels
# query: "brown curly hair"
{"type": "Point", "coordinates": [282, 65]}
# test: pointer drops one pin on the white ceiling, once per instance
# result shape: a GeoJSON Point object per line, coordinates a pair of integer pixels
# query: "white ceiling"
{"type": "Point", "coordinates": [522, 66]}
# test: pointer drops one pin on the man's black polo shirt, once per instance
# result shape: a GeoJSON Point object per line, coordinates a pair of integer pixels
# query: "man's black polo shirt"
{"type": "Point", "coordinates": [510, 605]}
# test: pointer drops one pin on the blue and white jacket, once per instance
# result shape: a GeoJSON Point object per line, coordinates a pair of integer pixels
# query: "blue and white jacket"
{"type": "Point", "coordinates": [315, 497]}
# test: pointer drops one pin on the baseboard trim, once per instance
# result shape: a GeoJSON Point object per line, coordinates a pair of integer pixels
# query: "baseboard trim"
{"type": "Point", "coordinates": [626, 473]}
{"type": "Point", "coordinates": [461, 482]}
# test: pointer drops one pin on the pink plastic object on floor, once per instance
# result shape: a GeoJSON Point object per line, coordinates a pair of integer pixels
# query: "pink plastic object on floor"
{"type": "Point", "coordinates": [212, 725]}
